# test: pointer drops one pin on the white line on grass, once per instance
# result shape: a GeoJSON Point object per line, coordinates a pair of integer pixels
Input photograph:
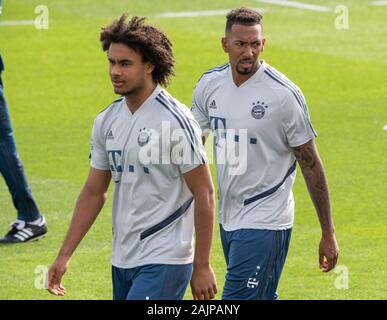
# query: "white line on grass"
{"type": "Point", "coordinates": [189, 14]}
{"type": "Point", "coordinates": [385, 127]}
{"type": "Point", "coordinates": [17, 22]}
{"type": "Point", "coordinates": [379, 3]}
{"type": "Point", "coordinates": [299, 5]}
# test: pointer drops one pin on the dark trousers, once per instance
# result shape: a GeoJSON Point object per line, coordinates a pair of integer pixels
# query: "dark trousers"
{"type": "Point", "coordinates": [255, 259]}
{"type": "Point", "coordinates": [12, 169]}
{"type": "Point", "coordinates": [151, 282]}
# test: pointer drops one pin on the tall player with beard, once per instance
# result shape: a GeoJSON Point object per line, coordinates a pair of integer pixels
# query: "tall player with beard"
{"type": "Point", "coordinates": [256, 209]}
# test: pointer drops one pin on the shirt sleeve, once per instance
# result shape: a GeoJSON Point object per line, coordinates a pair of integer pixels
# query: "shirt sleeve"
{"type": "Point", "coordinates": [296, 121]}
{"type": "Point", "coordinates": [98, 155]}
{"type": "Point", "coordinates": [199, 108]}
{"type": "Point", "coordinates": [187, 148]}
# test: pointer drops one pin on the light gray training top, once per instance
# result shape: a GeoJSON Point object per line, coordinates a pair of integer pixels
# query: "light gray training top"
{"type": "Point", "coordinates": [258, 123]}
{"type": "Point", "coordinates": [152, 205]}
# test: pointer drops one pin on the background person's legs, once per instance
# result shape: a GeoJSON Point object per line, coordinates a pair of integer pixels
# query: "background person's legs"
{"type": "Point", "coordinates": [12, 169]}
{"type": "Point", "coordinates": [30, 224]}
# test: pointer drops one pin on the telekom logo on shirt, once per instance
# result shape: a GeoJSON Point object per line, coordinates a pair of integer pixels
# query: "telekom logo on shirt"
{"type": "Point", "coordinates": [183, 146]}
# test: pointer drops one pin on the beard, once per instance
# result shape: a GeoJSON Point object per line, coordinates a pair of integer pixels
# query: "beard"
{"type": "Point", "coordinates": [244, 71]}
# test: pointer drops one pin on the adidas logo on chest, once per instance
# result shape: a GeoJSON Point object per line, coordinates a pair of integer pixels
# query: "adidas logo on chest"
{"type": "Point", "coordinates": [212, 105]}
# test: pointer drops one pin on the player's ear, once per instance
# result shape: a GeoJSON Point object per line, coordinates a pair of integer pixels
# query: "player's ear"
{"type": "Point", "coordinates": [263, 44]}
{"type": "Point", "coordinates": [149, 68]}
{"type": "Point", "coordinates": [225, 44]}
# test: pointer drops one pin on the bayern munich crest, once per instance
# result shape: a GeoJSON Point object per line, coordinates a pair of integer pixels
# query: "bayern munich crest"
{"type": "Point", "coordinates": [258, 111]}
{"type": "Point", "coordinates": [143, 137]}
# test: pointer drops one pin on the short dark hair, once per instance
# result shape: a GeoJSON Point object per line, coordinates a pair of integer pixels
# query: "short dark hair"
{"type": "Point", "coordinates": [150, 42]}
{"type": "Point", "coordinates": [243, 16]}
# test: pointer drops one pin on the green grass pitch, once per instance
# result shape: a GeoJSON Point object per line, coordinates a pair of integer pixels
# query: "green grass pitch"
{"type": "Point", "coordinates": [56, 81]}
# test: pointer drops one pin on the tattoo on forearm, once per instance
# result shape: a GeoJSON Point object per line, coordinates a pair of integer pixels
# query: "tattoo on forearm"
{"type": "Point", "coordinates": [312, 169]}
{"type": "Point", "coordinates": [305, 156]}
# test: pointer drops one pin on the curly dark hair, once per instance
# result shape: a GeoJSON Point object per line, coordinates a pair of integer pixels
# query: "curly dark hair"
{"type": "Point", "coordinates": [150, 42]}
{"type": "Point", "coordinates": [243, 16]}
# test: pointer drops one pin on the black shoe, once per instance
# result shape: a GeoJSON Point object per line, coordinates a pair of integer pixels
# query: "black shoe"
{"type": "Point", "coordinates": [23, 231]}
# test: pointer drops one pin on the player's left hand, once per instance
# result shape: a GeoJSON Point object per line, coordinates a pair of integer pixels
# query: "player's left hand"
{"type": "Point", "coordinates": [203, 283]}
{"type": "Point", "coordinates": [328, 252]}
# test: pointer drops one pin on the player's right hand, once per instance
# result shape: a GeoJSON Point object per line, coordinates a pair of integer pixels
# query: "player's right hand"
{"type": "Point", "coordinates": [54, 277]}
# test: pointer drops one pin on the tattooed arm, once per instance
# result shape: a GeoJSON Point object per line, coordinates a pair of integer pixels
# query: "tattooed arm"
{"type": "Point", "coordinates": [312, 169]}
